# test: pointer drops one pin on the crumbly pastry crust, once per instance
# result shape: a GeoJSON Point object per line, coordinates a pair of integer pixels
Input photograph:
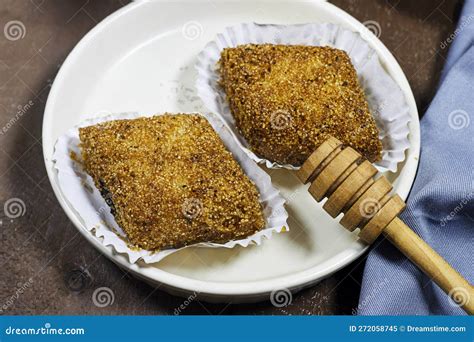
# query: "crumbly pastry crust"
{"type": "Point", "coordinates": [170, 181]}
{"type": "Point", "coordinates": [287, 99]}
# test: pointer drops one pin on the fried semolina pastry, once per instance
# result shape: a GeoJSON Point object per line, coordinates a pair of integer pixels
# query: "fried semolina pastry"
{"type": "Point", "coordinates": [170, 181]}
{"type": "Point", "coordinates": [287, 99]}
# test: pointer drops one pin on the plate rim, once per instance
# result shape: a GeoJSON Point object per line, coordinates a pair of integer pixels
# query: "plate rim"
{"type": "Point", "coordinates": [250, 290]}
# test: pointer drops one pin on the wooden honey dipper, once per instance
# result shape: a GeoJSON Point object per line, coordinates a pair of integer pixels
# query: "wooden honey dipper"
{"type": "Point", "coordinates": [343, 176]}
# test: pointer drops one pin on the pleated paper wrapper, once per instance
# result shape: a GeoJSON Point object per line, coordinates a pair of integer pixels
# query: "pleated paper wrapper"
{"type": "Point", "coordinates": [80, 192]}
{"type": "Point", "coordinates": [387, 102]}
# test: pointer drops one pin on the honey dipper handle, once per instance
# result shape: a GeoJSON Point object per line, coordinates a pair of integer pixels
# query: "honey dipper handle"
{"type": "Point", "coordinates": [431, 263]}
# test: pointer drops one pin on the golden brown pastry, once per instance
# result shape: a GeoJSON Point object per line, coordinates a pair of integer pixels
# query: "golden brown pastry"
{"type": "Point", "coordinates": [170, 181]}
{"type": "Point", "coordinates": [286, 100]}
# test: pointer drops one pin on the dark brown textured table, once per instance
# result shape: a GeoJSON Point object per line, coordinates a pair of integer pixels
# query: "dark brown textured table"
{"type": "Point", "coordinates": [46, 267]}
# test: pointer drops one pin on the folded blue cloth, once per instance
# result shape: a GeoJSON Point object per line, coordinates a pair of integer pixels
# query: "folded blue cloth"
{"type": "Point", "coordinates": [440, 207]}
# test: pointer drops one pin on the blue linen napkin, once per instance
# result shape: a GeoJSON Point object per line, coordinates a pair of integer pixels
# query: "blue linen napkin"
{"type": "Point", "coordinates": [440, 207]}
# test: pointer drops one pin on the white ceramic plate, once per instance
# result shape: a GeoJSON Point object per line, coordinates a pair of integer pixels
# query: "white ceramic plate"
{"type": "Point", "coordinates": [141, 58]}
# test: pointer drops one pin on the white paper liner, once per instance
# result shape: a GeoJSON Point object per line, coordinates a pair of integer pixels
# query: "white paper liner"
{"type": "Point", "coordinates": [80, 191]}
{"type": "Point", "coordinates": [386, 100]}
